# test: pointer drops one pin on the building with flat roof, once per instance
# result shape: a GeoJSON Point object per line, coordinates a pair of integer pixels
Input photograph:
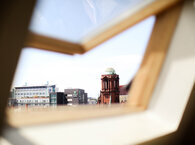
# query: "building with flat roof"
{"type": "Point", "coordinates": [92, 101]}
{"type": "Point", "coordinates": [32, 95]}
{"type": "Point", "coordinates": [76, 96]}
{"type": "Point", "coordinates": [58, 98]}
{"type": "Point", "coordinates": [34, 101]}
{"type": "Point", "coordinates": [33, 91]}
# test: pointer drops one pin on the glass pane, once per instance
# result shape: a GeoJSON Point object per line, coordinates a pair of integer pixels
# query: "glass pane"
{"type": "Point", "coordinates": [72, 20]}
{"type": "Point", "coordinates": [80, 76]}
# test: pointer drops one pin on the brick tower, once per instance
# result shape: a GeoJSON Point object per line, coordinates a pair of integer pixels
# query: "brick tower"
{"type": "Point", "coordinates": [110, 87]}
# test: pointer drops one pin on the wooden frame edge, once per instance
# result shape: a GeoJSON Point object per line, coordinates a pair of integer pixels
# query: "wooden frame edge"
{"type": "Point", "coordinates": [15, 18]}
{"type": "Point", "coordinates": [37, 116]}
{"type": "Point", "coordinates": [147, 76]}
{"type": "Point", "coordinates": [154, 8]}
{"type": "Point", "coordinates": [52, 44]}
{"type": "Point", "coordinates": [153, 59]}
{"type": "Point", "coordinates": [62, 46]}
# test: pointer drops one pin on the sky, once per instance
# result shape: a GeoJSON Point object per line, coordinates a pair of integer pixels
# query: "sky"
{"type": "Point", "coordinates": [74, 19]}
{"type": "Point", "coordinates": [123, 52]}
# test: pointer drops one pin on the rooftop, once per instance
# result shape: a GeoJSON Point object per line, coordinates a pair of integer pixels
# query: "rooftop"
{"type": "Point", "coordinates": [110, 71]}
{"type": "Point", "coordinates": [33, 87]}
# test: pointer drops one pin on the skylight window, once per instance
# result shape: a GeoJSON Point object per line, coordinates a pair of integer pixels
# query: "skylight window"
{"type": "Point", "coordinates": [123, 52]}
{"type": "Point", "coordinates": [74, 20]}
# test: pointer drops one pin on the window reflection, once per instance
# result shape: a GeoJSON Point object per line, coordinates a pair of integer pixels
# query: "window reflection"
{"type": "Point", "coordinates": [72, 20]}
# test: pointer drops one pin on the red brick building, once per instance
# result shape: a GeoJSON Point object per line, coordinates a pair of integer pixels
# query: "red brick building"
{"type": "Point", "coordinates": [124, 89]}
{"type": "Point", "coordinates": [123, 95]}
{"type": "Point", "coordinates": [110, 87]}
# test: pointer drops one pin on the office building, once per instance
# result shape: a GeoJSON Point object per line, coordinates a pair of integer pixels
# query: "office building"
{"type": "Point", "coordinates": [92, 101]}
{"type": "Point", "coordinates": [58, 98]}
{"type": "Point", "coordinates": [76, 96]}
{"type": "Point", "coordinates": [33, 95]}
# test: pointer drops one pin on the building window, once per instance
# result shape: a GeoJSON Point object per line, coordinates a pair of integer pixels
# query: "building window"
{"type": "Point", "coordinates": [69, 99]}
{"type": "Point", "coordinates": [106, 85]}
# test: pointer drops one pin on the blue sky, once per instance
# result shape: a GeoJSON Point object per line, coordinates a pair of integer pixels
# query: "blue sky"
{"type": "Point", "coordinates": [74, 19]}
{"type": "Point", "coordinates": [123, 52]}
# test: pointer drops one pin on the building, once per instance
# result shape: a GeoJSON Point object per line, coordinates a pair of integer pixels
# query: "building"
{"type": "Point", "coordinates": [123, 96]}
{"type": "Point", "coordinates": [33, 95]}
{"type": "Point", "coordinates": [91, 100]}
{"type": "Point", "coordinates": [33, 101]}
{"type": "Point", "coordinates": [12, 102]}
{"type": "Point", "coordinates": [11, 99]}
{"type": "Point", "coordinates": [33, 91]}
{"type": "Point", "coordinates": [109, 87]}
{"type": "Point", "coordinates": [169, 118]}
{"type": "Point", "coordinates": [57, 98]}
{"type": "Point", "coordinates": [124, 89]}
{"type": "Point", "coordinates": [76, 96]}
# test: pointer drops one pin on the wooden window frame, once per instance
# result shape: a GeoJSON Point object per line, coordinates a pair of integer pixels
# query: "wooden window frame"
{"type": "Point", "coordinates": [52, 44]}
{"type": "Point", "coordinates": [167, 13]}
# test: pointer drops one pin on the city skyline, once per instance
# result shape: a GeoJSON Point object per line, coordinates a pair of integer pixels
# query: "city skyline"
{"type": "Point", "coordinates": [123, 52]}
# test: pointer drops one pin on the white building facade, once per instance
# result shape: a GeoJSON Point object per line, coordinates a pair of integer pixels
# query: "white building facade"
{"type": "Point", "coordinates": [33, 95]}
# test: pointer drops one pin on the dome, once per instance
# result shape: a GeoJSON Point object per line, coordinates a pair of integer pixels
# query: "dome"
{"type": "Point", "coordinates": [110, 71]}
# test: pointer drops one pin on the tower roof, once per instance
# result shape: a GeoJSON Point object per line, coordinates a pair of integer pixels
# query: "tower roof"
{"type": "Point", "coordinates": [110, 71]}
